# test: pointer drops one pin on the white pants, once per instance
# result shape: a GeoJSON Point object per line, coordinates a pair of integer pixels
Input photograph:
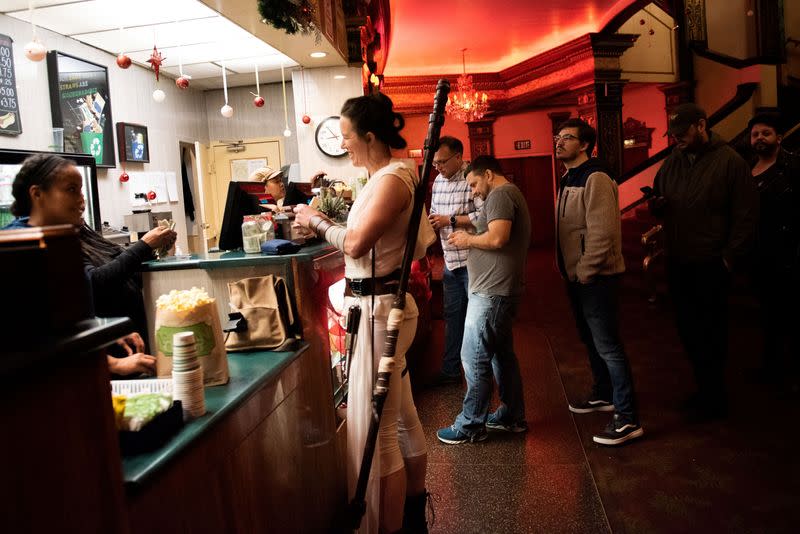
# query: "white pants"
{"type": "Point", "coordinates": [400, 434]}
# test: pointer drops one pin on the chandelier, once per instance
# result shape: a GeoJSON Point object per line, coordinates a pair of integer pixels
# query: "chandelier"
{"type": "Point", "coordinates": [466, 104]}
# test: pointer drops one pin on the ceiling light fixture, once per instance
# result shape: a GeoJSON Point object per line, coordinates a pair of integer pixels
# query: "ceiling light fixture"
{"type": "Point", "coordinates": [339, 77]}
{"type": "Point", "coordinates": [318, 54]}
{"type": "Point", "coordinates": [466, 104]}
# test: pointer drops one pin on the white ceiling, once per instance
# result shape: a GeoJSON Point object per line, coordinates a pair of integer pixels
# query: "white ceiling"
{"type": "Point", "coordinates": [186, 32]}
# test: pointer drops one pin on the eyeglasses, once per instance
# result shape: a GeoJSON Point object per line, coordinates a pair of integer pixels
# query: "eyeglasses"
{"type": "Point", "coordinates": [566, 137]}
{"type": "Point", "coordinates": [444, 161]}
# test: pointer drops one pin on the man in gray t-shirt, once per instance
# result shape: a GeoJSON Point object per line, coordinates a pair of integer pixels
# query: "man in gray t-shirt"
{"type": "Point", "coordinates": [501, 271]}
{"type": "Point", "coordinates": [496, 266]}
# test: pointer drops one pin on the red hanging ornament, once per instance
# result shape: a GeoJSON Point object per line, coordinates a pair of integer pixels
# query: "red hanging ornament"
{"type": "Point", "coordinates": [124, 177]}
{"type": "Point", "coordinates": [182, 82]}
{"type": "Point", "coordinates": [151, 195]}
{"type": "Point", "coordinates": [156, 60]}
{"type": "Point", "coordinates": [258, 101]}
{"type": "Point", "coordinates": [306, 119]}
{"type": "Point", "coordinates": [123, 61]}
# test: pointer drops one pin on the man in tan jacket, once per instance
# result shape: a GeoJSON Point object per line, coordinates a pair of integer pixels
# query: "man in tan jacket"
{"type": "Point", "coordinates": [589, 249]}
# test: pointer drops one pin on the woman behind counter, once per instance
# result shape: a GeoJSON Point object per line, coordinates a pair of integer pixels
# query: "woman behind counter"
{"type": "Point", "coordinates": [378, 223]}
{"type": "Point", "coordinates": [275, 187]}
{"type": "Point", "coordinates": [47, 191]}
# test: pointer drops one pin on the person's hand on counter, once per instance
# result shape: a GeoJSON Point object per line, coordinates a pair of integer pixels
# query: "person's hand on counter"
{"type": "Point", "coordinates": [160, 237]}
{"type": "Point", "coordinates": [133, 364]}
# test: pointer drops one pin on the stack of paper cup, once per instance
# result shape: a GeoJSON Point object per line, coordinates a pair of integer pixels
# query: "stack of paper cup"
{"type": "Point", "coordinates": [187, 376]}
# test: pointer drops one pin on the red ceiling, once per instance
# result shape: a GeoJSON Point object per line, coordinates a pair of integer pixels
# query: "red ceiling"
{"type": "Point", "coordinates": [428, 35]}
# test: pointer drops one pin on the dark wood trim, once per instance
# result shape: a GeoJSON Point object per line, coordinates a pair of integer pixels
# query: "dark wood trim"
{"type": "Point", "coordinates": [770, 30]}
{"type": "Point", "coordinates": [730, 61]}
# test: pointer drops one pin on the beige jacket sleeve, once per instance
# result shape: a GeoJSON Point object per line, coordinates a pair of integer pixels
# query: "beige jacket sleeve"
{"type": "Point", "coordinates": [602, 234]}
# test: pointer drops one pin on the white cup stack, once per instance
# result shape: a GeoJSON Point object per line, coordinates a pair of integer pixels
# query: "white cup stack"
{"type": "Point", "coordinates": [187, 376]}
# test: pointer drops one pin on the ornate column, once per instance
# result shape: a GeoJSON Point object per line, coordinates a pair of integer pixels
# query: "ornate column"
{"type": "Point", "coordinates": [600, 103]}
{"type": "Point", "coordinates": [481, 138]}
{"type": "Point", "coordinates": [601, 106]}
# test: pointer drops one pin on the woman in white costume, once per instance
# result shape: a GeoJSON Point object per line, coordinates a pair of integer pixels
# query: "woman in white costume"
{"type": "Point", "coordinates": [373, 243]}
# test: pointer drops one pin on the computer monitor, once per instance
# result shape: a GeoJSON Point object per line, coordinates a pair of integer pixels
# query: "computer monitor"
{"type": "Point", "coordinates": [238, 204]}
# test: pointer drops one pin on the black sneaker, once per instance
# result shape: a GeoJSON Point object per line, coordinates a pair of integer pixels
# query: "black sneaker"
{"type": "Point", "coordinates": [618, 431]}
{"type": "Point", "coordinates": [495, 423]}
{"type": "Point", "coordinates": [592, 404]}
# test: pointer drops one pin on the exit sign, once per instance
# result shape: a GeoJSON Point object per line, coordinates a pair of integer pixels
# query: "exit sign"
{"type": "Point", "coordinates": [524, 144]}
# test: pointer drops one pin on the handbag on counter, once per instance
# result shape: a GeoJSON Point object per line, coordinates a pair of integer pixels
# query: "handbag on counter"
{"type": "Point", "coordinates": [266, 306]}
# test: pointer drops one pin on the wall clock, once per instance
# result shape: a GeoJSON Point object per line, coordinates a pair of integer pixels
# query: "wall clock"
{"type": "Point", "coordinates": [329, 138]}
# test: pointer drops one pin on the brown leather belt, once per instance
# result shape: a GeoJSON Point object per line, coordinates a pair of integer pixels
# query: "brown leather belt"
{"type": "Point", "coordinates": [362, 287]}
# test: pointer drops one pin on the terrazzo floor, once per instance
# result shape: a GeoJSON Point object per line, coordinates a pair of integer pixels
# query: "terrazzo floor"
{"type": "Point", "coordinates": [714, 477]}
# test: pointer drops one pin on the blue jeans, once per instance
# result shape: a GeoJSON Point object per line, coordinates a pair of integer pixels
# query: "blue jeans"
{"type": "Point", "coordinates": [456, 296]}
{"type": "Point", "coordinates": [596, 310]}
{"type": "Point", "coordinates": [489, 348]}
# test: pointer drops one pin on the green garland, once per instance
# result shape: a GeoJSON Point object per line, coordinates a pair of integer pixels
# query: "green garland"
{"type": "Point", "coordinates": [291, 16]}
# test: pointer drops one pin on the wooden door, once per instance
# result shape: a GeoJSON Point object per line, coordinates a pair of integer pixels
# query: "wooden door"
{"type": "Point", "coordinates": [235, 161]}
{"type": "Point", "coordinates": [534, 177]}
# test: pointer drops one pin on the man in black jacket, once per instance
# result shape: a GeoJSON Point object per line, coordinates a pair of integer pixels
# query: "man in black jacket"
{"type": "Point", "coordinates": [706, 195]}
{"type": "Point", "coordinates": [776, 173]}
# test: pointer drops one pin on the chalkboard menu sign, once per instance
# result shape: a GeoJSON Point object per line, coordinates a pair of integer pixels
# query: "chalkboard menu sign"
{"type": "Point", "coordinates": [10, 123]}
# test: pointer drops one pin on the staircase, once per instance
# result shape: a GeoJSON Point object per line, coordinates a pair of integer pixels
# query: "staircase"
{"type": "Point", "coordinates": [652, 282]}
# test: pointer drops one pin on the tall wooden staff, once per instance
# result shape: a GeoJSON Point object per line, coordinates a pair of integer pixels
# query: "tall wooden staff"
{"type": "Point", "coordinates": [358, 505]}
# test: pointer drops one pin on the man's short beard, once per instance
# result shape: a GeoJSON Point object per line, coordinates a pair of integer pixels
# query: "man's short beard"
{"type": "Point", "coordinates": [765, 149]}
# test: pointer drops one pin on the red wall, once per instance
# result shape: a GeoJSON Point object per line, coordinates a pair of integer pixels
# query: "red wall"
{"type": "Point", "coordinates": [645, 103]}
{"type": "Point", "coordinates": [531, 125]}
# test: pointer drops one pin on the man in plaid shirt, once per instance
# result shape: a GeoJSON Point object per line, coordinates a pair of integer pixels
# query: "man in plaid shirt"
{"type": "Point", "coordinates": [452, 207]}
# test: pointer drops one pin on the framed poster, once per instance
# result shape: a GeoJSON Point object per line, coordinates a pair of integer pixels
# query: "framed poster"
{"type": "Point", "coordinates": [80, 103]}
{"type": "Point", "coordinates": [133, 143]}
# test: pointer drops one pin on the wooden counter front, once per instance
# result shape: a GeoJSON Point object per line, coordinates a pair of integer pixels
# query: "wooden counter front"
{"type": "Point", "coordinates": [260, 460]}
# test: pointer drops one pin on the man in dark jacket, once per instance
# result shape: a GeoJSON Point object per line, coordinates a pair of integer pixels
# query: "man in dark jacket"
{"type": "Point", "coordinates": [589, 249]}
{"type": "Point", "coordinates": [705, 193]}
{"type": "Point", "coordinates": [776, 173]}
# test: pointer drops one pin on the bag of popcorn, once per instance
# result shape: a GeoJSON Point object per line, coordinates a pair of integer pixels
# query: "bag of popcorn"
{"type": "Point", "coordinates": [191, 310]}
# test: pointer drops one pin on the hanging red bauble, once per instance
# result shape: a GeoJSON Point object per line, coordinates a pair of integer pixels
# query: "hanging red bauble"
{"type": "Point", "coordinates": [124, 177]}
{"type": "Point", "coordinates": [151, 195]}
{"type": "Point", "coordinates": [182, 82]}
{"type": "Point", "coordinates": [123, 61]}
{"type": "Point", "coordinates": [306, 119]}
{"type": "Point", "coordinates": [258, 101]}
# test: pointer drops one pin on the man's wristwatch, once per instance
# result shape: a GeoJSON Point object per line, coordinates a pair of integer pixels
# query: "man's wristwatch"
{"type": "Point", "coordinates": [453, 221]}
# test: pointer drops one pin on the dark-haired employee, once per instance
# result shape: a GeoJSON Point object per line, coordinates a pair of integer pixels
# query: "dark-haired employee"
{"type": "Point", "coordinates": [48, 191]}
